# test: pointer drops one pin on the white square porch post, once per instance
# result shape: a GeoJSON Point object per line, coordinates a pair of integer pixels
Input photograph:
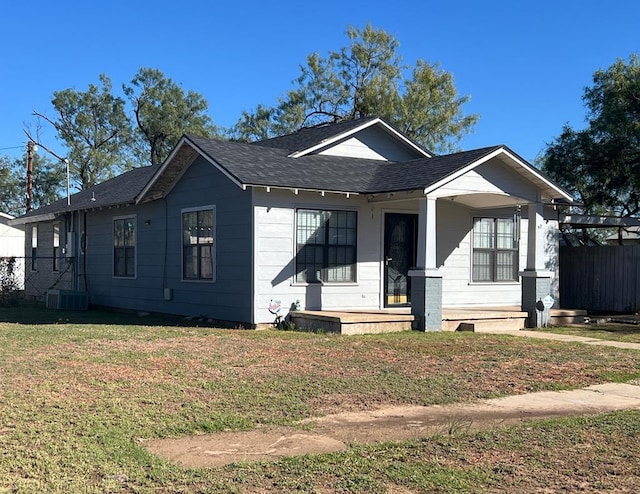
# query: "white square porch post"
{"type": "Point", "coordinates": [536, 281]}
{"type": "Point", "coordinates": [426, 281]}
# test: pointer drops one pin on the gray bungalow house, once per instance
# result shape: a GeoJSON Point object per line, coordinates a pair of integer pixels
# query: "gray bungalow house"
{"type": "Point", "coordinates": [351, 216]}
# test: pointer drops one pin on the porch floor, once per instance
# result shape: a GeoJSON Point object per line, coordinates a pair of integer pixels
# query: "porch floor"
{"type": "Point", "coordinates": [477, 319]}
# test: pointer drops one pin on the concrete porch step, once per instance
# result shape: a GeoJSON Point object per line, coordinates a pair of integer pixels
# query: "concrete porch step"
{"type": "Point", "coordinates": [351, 323]}
{"type": "Point", "coordinates": [562, 317]}
{"type": "Point", "coordinates": [483, 320]}
{"type": "Point", "coordinates": [478, 319]}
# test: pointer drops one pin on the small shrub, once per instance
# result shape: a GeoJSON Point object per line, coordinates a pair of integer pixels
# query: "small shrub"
{"type": "Point", "coordinates": [9, 287]}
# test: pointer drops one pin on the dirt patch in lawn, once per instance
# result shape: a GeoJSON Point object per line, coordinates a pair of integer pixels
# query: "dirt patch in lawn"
{"type": "Point", "coordinates": [335, 432]}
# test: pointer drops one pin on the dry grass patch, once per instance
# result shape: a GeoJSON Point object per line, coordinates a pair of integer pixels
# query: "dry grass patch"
{"type": "Point", "coordinates": [77, 397]}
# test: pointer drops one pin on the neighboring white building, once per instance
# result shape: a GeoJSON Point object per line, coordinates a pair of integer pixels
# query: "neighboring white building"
{"type": "Point", "coordinates": [12, 245]}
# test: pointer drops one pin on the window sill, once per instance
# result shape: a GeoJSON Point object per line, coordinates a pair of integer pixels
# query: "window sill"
{"type": "Point", "coordinates": [326, 283]}
{"type": "Point", "coordinates": [494, 283]}
{"type": "Point", "coordinates": [197, 281]}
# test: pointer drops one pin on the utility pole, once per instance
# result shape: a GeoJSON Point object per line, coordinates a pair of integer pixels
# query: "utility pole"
{"type": "Point", "coordinates": [31, 148]}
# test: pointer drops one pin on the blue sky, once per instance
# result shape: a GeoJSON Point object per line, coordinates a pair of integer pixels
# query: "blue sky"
{"type": "Point", "coordinates": [524, 64]}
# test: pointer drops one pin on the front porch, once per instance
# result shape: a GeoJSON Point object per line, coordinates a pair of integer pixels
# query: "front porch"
{"type": "Point", "coordinates": [478, 319]}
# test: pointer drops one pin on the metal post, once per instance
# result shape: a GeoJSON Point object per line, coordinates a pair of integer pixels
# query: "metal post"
{"type": "Point", "coordinates": [66, 161]}
{"type": "Point", "coordinates": [31, 147]}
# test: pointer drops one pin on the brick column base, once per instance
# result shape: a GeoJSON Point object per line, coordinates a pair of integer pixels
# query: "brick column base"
{"type": "Point", "coordinates": [536, 286]}
{"type": "Point", "coordinates": [426, 299]}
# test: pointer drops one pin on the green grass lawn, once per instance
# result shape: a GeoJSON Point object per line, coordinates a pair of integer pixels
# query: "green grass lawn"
{"type": "Point", "coordinates": [82, 391]}
{"type": "Point", "coordinates": [629, 333]}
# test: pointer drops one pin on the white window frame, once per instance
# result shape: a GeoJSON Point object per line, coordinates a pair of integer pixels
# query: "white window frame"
{"type": "Point", "coordinates": [34, 248]}
{"type": "Point", "coordinates": [55, 253]}
{"type": "Point", "coordinates": [495, 250]}
{"type": "Point", "coordinates": [135, 247]}
{"type": "Point", "coordinates": [324, 270]}
{"type": "Point", "coordinates": [212, 208]}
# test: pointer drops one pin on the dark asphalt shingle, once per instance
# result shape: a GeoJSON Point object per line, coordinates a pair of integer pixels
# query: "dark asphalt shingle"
{"type": "Point", "coordinates": [119, 190]}
{"type": "Point", "coordinates": [268, 164]}
{"type": "Point", "coordinates": [308, 137]}
{"type": "Point", "coordinates": [253, 165]}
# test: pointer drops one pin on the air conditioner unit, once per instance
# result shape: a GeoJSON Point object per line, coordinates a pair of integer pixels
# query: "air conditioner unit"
{"type": "Point", "coordinates": [67, 300]}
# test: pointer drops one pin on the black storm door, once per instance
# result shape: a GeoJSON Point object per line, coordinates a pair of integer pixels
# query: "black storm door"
{"type": "Point", "coordinates": [400, 245]}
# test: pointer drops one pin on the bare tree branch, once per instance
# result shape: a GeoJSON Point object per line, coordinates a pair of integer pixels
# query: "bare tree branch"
{"type": "Point", "coordinates": [38, 143]}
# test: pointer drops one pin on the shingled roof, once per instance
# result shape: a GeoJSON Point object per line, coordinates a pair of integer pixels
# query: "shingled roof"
{"type": "Point", "coordinates": [118, 191]}
{"type": "Point", "coordinates": [308, 137]}
{"type": "Point", "coordinates": [271, 164]}
{"type": "Point", "coordinates": [251, 165]}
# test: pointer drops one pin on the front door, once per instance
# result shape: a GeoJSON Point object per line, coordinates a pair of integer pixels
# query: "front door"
{"type": "Point", "coordinates": [400, 245]}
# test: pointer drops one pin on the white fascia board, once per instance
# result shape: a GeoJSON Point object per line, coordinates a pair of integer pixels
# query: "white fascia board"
{"type": "Point", "coordinates": [375, 121]}
{"type": "Point", "coordinates": [461, 172]}
{"type": "Point", "coordinates": [493, 154]}
{"type": "Point", "coordinates": [268, 188]}
{"type": "Point", "coordinates": [564, 194]}
{"type": "Point", "coordinates": [32, 219]}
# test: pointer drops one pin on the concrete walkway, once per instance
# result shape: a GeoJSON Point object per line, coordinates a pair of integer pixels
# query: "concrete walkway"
{"type": "Point", "coordinates": [570, 338]}
{"type": "Point", "coordinates": [335, 432]}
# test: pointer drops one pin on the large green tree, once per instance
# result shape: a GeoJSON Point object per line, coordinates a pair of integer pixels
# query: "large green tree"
{"type": "Point", "coordinates": [163, 112]}
{"type": "Point", "coordinates": [95, 130]}
{"type": "Point", "coordinates": [600, 164]}
{"type": "Point", "coordinates": [48, 176]}
{"type": "Point", "coordinates": [367, 78]}
{"type": "Point", "coordinates": [99, 138]}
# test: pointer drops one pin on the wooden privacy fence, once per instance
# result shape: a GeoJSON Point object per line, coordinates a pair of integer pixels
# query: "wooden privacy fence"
{"type": "Point", "coordinates": [600, 279]}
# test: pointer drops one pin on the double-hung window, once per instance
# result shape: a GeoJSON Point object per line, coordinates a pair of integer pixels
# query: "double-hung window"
{"type": "Point", "coordinates": [495, 250]}
{"type": "Point", "coordinates": [56, 246]}
{"type": "Point", "coordinates": [326, 246]}
{"type": "Point", "coordinates": [198, 236]}
{"type": "Point", "coordinates": [124, 247]}
{"type": "Point", "coordinates": [34, 247]}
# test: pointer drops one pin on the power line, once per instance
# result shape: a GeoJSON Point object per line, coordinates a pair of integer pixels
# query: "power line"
{"type": "Point", "coordinates": [13, 147]}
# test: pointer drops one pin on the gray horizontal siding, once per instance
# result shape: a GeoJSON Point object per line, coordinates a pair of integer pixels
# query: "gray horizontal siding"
{"type": "Point", "coordinates": [159, 237]}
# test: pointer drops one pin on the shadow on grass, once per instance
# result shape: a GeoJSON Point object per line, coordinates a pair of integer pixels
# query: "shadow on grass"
{"type": "Point", "coordinates": [621, 329]}
{"type": "Point", "coordinates": [30, 313]}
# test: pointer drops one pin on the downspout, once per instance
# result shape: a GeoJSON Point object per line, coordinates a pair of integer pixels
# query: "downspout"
{"type": "Point", "coordinates": [83, 247]}
{"type": "Point", "coordinates": [166, 239]}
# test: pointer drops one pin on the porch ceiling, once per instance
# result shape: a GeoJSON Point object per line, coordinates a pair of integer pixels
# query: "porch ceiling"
{"type": "Point", "coordinates": [485, 200]}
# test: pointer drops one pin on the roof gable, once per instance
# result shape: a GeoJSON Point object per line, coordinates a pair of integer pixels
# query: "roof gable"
{"type": "Point", "coordinates": [252, 165]}
{"type": "Point", "coordinates": [548, 188]}
{"type": "Point", "coordinates": [327, 139]}
{"type": "Point", "coordinates": [247, 165]}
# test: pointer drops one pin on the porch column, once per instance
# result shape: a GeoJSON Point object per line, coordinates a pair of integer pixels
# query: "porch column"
{"type": "Point", "coordinates": [426, 281]}
{"type": "Point", "coordinates": [536, 281]}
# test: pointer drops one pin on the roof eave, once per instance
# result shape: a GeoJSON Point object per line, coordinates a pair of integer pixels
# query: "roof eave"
{"type": "Point", "coordinates": [36, 218]}
{"type": "Point", "coordinates": [556, 191]}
